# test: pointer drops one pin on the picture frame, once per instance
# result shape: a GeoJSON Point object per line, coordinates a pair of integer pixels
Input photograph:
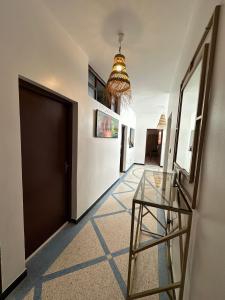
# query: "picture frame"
{"type": "Point", "coordinates": [131, 138]}
{"type": "Point", "coordinates": [106, 126]}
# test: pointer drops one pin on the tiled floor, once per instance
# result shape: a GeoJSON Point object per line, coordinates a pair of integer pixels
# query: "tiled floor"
{"type": "Point", "coordinates": [88, 261]}
{"type": "Point", "coordinates": [154, 161]}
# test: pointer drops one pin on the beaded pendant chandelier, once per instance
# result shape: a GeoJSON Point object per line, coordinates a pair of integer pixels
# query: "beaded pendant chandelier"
{"type": "Point", "coordinates": [118, 84]}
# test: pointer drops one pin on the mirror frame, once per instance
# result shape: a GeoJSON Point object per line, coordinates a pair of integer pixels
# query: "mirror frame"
{"type": "Point", "coordinates": [203, 57]}
{"type": "Point", "coordinates": [205, 51]}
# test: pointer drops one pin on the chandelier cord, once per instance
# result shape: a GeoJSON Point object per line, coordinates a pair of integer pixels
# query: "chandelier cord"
{"type": "Point", "coordinates": [120, 48]}
{"type": "Point", "coordinates": [121, 35]}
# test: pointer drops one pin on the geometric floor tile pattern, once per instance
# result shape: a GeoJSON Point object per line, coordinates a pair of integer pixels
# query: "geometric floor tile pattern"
{"type": "Point", "coordinates": [88, 261]}
{"type": "Point", "coordinates": [79, 285]}
{"type": "Point", "coordinates": [115, 230]}
{"type": "Point", "coordinates": [74, 253]}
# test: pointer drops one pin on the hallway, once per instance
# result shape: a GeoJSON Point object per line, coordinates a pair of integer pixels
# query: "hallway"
{"type": "Point", "coordinates": [89, 260]}
{"type": "Point", "coordinates": [92, 94]}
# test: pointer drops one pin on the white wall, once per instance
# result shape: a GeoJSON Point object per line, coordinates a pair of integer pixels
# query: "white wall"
{"type": "Point", "coordinates": [128, 118]}
{"type": "Point", "coordinates": [206, 268]}
{"type": "Point", "coordinates": [35, 46]}
{"type": "Point", "coordinates": [98, 159]}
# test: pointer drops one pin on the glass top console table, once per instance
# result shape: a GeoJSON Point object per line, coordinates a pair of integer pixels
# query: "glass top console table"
{"type": "Point", "coordinates": [158, 191]}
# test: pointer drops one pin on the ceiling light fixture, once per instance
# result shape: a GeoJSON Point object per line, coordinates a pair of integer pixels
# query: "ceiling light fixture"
{"type": "Point", "coordinates": [118, 84]}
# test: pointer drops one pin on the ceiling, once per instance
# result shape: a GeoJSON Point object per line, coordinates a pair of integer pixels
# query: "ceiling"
{"type": "Point", "coordinates": [154, 35]}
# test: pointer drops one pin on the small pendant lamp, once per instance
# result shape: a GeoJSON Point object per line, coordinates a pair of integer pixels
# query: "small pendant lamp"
{"type": "Point", "coordinates": [162, 122]}
{"type": "Point", "coordinates": [118, 83]}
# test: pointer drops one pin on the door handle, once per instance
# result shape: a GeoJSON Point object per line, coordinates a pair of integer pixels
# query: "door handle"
{"type": "Point", "coordinates": [66, 166]}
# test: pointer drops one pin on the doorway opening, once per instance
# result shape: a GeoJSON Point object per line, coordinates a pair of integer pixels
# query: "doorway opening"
{"type": "Point", "coordinates": [122, 148]}
{"type": "Point", "coordinates": [46, 121]}
{"type": "Point", "coordinates": [153, 147]}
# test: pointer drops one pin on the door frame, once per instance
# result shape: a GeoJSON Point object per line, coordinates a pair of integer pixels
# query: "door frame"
{"type": "Point", "coordinates": [123, 143]}
{"type": "Point", "coordinates": [71, 196]}
{"type": "Point", "coordinates": [161, 143]}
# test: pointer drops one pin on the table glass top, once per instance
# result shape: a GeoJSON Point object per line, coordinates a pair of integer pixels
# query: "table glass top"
{"type": "Point", "coordinates": [156, 189]}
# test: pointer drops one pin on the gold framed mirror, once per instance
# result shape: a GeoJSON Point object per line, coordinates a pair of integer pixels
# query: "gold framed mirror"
{"type": "Point", "coordinates": [192, 112]}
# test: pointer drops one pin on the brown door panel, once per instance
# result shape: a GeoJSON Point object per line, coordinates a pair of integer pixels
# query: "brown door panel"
{"type": "Point", "coordinates": [44, 144]}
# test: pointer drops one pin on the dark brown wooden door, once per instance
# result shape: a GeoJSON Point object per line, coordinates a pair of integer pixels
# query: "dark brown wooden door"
{"type": "Point", "coordinates": [45, 142]}
{"type": "Point", "coordinates": [153, 146]}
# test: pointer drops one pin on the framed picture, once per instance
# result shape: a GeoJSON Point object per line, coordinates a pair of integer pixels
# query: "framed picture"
{"type": "Point", "coordinates": [106, 125]}
{"type": "Point", "coordinates": [131, 139]}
